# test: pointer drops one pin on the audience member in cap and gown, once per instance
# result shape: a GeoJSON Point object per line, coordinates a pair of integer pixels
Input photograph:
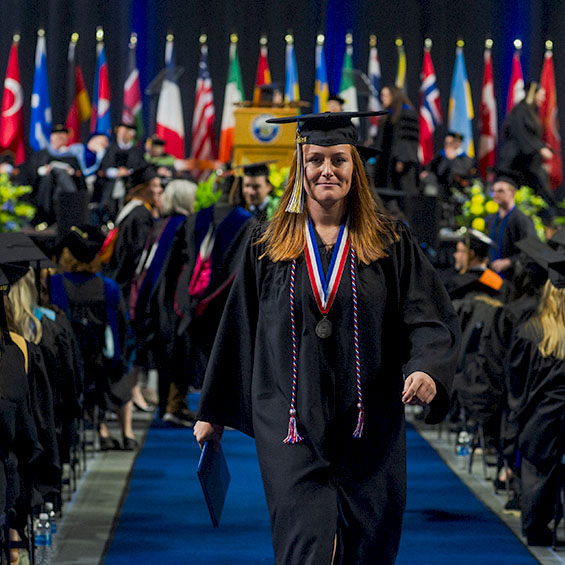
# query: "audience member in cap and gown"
{"type": "Point", "coordinates": [325, 366]}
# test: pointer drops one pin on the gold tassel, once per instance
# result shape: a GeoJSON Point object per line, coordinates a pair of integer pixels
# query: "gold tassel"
{"type": "Point", "coordinates": [296, 203]}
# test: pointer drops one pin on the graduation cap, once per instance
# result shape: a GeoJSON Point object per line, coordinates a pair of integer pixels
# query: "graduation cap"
{"type": "Point", "coordinates": [336, 98]}
{"type": "Point", "coordinates": [17, 251]}
{"type": "Point", "coordinates": [59, 128]}
{"type": "Point", "coordinates": [141, 176]}
{"type": "Point", "coordinates": [557, 241]}
{"type": "Point", "coordinates": [551, 260]}
{"type": "Point", "coordinates": [258, 169]}
{"type": "Point", "coordinates": [455, 134]}
{"type": "Point", "coordinates": [124, 125]}
{"type": "Point", "coordinates": [326, 129]}
{"type": "Point", "coordinates": [84, 242]}
{"type": "Point", "coordinates": [478, 242]}
{"type": "Point", "coordinates": [156, 140]}
{"type": "Point", "coordinates": [511, 177]}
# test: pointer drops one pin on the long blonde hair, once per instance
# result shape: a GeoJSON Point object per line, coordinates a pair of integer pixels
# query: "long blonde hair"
{"type": "Point", "coordinates": [19, 304]}
{"type": "Point", "coordinates": [549, 322]}
{"type": "Point", "coordinates": [369, 231]}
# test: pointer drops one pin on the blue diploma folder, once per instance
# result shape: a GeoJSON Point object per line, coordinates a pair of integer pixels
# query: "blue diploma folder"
{"type": "Point", "coordinates": [214, 478]}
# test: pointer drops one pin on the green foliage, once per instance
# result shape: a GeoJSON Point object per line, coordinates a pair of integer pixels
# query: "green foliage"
{"type": "Point", "coordinates": [13, 213]}
{"type": "Point", "coordinates": [207, 193]}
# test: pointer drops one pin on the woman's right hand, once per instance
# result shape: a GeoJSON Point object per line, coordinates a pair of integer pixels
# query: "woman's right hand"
{"type": "Point", "coordinates": [205, 431]}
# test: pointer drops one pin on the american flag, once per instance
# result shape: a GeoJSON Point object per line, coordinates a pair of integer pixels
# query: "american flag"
{"type": "Point", "coordinates": [203, 139]}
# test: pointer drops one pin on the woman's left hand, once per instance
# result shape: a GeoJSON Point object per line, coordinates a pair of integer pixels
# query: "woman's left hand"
{"type": "Point", "coordinates": [419, 389]}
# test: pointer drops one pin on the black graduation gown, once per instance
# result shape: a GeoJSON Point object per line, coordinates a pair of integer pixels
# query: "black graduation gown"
{"type": "Point", "coordinates": [19, 446]}
{"type": "Point", "coordinates": [114, 158]}
{"type": "Point", "coordinates": [132, 235]}
{"type": "Point", "coordinates": [451, 172]}
{"type": "Point", "coordinates": [521, 141]}
{"type": "Point", "coordinates": [46, 189]}
{"type": "Point", "coordinates": [398, 142]}
{"type": "Point", "coordinates": [331, 480]}
{"type": "Point", "coordinates": [538, 402]}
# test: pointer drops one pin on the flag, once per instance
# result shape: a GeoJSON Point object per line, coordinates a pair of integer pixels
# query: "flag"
{"type": "Point", "coordinates": [460, 117]}
{"type": "Point", "coordinates": [347, 89]}
{"type": "Point", "coordinates": [40, 119]}
{"type": "Point", "coordinates": [550, 121]}
{"type": "Point", "coordinates": [100, 121]}
{"type": "Point", "coordinates": [131, 113]}
{"type": "Point", "coordinates": [291, 89]}
{"type": "Point", "coordinates": [401, 69]}
{"type": "Point", "coordinates": [321, 88]}
{"type": "Point", "coordinates": [375, 78]}
{"type": "Point", "coordinates": [430, 109]}
{"type": "Point", "coordinates": [78, 103]}
{"type": "Point", "coordinates": [489, 121]}
{"type": "Point", "coordinates": [233, 95]}
{"type": "Point", "coordinates": [203, 139]}
{"type": "Point", "coordinates": [12, 119]}
{"type": "Point", "coordinates": [516, 87]}
{"type": "Point", "coordinates": [263, 73]}
{"type": "Point", "coordinates": [170, 119]}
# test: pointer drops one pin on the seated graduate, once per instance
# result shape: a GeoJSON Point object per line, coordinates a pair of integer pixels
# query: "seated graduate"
{"type": "Point", "coordinates": [305, 349]}
{"type": "Point", "coordinates": [50, 172]}
{"type": "Point", "coordinates": [537, 398]}
{"type": "Point", "coordinates": [451, 167]}
{"type": "Point", "coordinates": [94, 306]}
{"type": "Point", "coordinates": [473, 276]}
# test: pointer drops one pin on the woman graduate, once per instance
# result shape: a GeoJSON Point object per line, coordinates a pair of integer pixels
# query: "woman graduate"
{"type": "Point", "coordinates": [334, 322]}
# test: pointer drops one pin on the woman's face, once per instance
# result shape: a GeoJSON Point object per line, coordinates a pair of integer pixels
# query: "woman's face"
{"type": "Point", "coordinates": [386, 97]}
{"type": "Point", "coordinates": [327, 173]}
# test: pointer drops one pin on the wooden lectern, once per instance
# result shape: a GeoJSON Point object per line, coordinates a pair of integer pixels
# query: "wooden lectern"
{"type": "Point", "coordinates": [255, 140]}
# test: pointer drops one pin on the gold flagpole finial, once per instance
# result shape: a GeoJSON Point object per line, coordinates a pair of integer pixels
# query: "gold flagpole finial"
{"type": "Point", "coordinates": [398, 42]}
{"type": "Point", "coordinates": [320, 39]}
{"type": "Point", "coordinates": [518, 43]}
{"type": "Point", "coordinates": [489, 43]}
{"type": "Point", "coordinates": [428, 43]}
{"type": "Point", "coordinates": [234, 38]}
{"type": "Point", "coordinates": [349, 39]}
{"type": "Point", "coordinates": [373, 40]}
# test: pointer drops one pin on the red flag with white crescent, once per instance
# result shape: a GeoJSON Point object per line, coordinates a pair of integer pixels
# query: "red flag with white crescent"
{"type": "Point", "coordinates": [12, 118]}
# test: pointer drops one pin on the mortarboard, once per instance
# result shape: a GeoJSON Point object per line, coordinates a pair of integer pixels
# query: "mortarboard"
{"type": "Point", "coordinates": [550, 259]}
{"type": "Point", "coordinates": [84, 242]}
{"type": "Point", "coordinates": [455, 135]}
{"type": "Point", "coordinates": [59, 128]}
{"type": "Point", "coordinates": [258, 169]}
{"type": "Point", "coordinates": [336, 98]}
{"type": "Point", "coordinates": [511, 177]}
{"type": "Point", "coordinates": [129, 126]}
{"type": "Point", "coordinates": [17, 251]}
{"type": "Point", "coordinates": [156, 140]}
{"type": "Point", "coordinates": [557, 241]}
{"type": "Point", "coordinates": [141, 176]}
{"type": "Point", "coordinates": [326, 129]}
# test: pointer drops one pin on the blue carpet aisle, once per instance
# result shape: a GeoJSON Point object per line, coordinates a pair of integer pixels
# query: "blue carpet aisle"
{"type": "Point", "coordinates": [165, 520]}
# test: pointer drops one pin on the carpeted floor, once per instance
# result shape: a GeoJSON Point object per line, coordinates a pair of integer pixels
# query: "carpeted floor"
{"type": "Point", "coordinates": [164, 517]}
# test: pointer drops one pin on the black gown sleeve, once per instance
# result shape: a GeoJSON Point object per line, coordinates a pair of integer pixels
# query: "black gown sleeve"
{"type": "Point", "coordinates": [430, 323]}
{"type": "Point", "coordinates": [226, 393]}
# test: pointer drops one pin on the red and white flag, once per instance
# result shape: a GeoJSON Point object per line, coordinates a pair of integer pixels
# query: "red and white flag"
{"type": "Point", "coordinates": [516, 87]}
{"type": "Point", "coordinates": [170, 119]}
{"type": "Point", "coordinates": [203, 138]}
{"type": "Point", "coordinates": [263, 75]}
{"type": "Point", "coordinates": [430, 109]}
{"type": "Point", "coordinates": [550, 121]}
{"type": "Point", "coordinates": [12, 119]}
{"type": "Point", "coordinates": [488, 124]}
{"type": "Point", "coordinates": [132, 109]}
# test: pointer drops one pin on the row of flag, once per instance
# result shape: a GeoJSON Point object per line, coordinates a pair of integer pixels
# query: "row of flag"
{"type": "Point", "coordinates": [170, 121]}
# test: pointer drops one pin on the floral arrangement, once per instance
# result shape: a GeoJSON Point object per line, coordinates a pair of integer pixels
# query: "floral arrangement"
{"type": "Point", "coordinates": [278, 177]}
{"type": "Point", "coordinates": [13, 213]}
{"type": "Point", "coordinates": [207, 193]}
{"type": "Point", "coordinates": [477, 204]}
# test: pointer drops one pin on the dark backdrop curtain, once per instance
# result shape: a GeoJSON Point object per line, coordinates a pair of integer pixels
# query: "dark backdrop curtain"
{"type": "Point", "coordinates": [444, 21]}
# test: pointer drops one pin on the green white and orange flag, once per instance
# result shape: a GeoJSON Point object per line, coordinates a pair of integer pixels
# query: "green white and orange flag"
{"type": "Point", "coordinates": [347, 89]}
{"type": "Point", "coordinates": [233, 95]}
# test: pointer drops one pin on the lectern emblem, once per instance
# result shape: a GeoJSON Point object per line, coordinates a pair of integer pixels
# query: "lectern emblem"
{"type": "Point", "coordinates": [262, 131]}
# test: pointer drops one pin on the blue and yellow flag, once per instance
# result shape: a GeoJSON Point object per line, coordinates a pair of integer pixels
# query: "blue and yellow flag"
{"type": "Point", "coordinates": [291, 90]}
{"type": "Point", "coordinates": [321, 88]}
{"type": "Point", "coordinates": [460, 115]}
